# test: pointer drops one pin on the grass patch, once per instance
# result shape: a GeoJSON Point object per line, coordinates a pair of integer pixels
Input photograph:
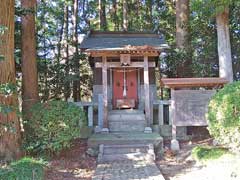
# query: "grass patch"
{"type": "Point", "coordinates": [205, 153]}
{"type": "Point", "coordinates": [24, 169]}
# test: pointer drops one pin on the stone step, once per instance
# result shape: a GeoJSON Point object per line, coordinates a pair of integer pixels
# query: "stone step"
{"type": "Point", "coordinates": [125, 149]}
{"type": "Point", "coordinates": [126, 111]}
{"type": "Point", "coordinates": [126, 117]}
{"type": "Point", "coordinates": [136, 152]}
{"type": "Point", "coordinates": [126, 157]}
{"type": "Point", "coordinates": [126, 126]}
{"type": "Point", "coordinates": [126, 138]}
{"type": "Point", "coordinates": [126, 121]}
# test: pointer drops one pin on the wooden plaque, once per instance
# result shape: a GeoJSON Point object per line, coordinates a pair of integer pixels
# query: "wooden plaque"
{"type": "Point", "coordinates": [191, 107]}
{"type": "Point", "coordinates": [125, 59]}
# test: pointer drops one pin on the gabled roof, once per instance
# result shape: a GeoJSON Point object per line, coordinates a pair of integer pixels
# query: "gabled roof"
{"type": "Point", "coordinates": [117, 41]}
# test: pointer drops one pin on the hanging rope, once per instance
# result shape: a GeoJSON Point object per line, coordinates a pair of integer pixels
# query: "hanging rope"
{"type": "Point", "coordinates": [124, 83]}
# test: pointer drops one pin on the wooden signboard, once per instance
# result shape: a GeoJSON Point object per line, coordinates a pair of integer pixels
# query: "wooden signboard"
{"type": "Point", "coordinates": [191, 107]}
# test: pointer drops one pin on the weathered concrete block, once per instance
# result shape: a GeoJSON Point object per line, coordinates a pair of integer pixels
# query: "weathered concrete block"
{"type": "Point", "coordinates": [148, 130]}
{"type": "Point", "coordinates": [166, 132]}
{"type": "Point", "coordinates": [175, 145]}
{"type": "Point", "coordinates": [97, 129]}
{"type": "Point", "coordinates": [105, 130]}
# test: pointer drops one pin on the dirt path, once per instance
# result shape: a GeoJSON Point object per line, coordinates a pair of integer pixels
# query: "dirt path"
{"type": "Point", "coordinates": [75, 164]}
{"type": "Point", "coordinates": [72, 164]}
{"type": "Point", "coordinates": [183, 167]}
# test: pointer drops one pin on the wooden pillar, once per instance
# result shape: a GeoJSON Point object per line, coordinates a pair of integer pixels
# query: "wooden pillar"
{"type": "Point", "coordinates": [100, 111]}
{"type": "Point", "coordinates": [90, 116]}
{"type": "Point", "coordinates": [111, 87]}
{"type": "Point", "coordinates": [173, 109]}
{"type": "Point", "coordinates": [174, 142]}
{"type": "Point", "coordinates": [146, 91]}
{"type": "Point", "coordinates": [105, 94]}
{"type": "Point", "coordinates": [160, 113]}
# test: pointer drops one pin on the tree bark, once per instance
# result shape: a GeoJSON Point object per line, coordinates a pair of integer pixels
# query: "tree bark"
{"type": "Point", "coordinates": [76, 81]}
{"type": "Point", "coordinates": [29, 63]}
{"type": "Point", "coordinates": [45, 87]}
{"type": "Point", "coordinates": [9, 141]}
{"type": "Point", "coordinates": [183, 37]}
{"type": "Point", "coordinates": [102, 15]}
{"type": "Point", "coordinates": [125, 15]}
{"type": "Point", "coordinates": [114, 14]}
{"type": "Point", "coordinates": [65, 45]}
{"type": "Point", "coordinates": [224, 45]}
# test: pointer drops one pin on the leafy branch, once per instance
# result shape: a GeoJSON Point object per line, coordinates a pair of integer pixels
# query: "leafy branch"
{"type": "Point", "coordinates": [8, 89]}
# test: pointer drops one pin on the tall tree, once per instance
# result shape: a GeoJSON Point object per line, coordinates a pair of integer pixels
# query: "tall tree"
{"type": "Point", "coordinates": [102, 15]}
{"type": "Point", "coordinates": [183, 37]}
{"type": "Point", "coordinates": [149, 16]}
{"type": "Point", "coordinates": [9, 122]}
{"type": "Point", "coordinates": [114, 14]}
{"type": "Point", "coordinates": [65, 44]}
{"type": "Point", "coordinates": [224, 45]}
{"type": "Point", "coordinates": [220, 9]}
{"type": "Point", "coordinates": [29, 63]}
{"type": "Point", "coordinates": [76, 60]}
{"type": "Point", "coordinates": [125, 15]}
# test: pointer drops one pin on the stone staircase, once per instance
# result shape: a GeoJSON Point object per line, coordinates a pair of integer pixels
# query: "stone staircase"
{"type": "Point", "coordinates": [126, 121]}
{"type": "Point", "coordinates": [127, 152]}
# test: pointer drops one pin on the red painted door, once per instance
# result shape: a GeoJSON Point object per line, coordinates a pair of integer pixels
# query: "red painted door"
{"type": "Point", "coordinates": [132, 85]}
{"type": "Point", "coordinates": [118, 85]}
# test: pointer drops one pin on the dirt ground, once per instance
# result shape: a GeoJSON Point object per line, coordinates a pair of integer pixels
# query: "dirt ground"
{"type": "Point", "coordinates": [75, 164]}
{"type": "Point", "coordinates": [72, 164]}
{"type": "Point", "coordinates": [182, 166]}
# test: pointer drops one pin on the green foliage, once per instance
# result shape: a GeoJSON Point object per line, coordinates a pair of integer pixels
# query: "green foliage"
{"type": "Point", "coordinates": [24, 169]}
{"type": "Point", "coordinates": [8, 89]}
{"type": "Point", "coordinates": [204, 153]}
{"type": "Point", "coordinates": [173, 59]}
{"type": "Point", "coordinates": [224, 116]}
{"type": "Point", "coordinates": [52, 126]}
{"type": "Point", "coordinates": [211, 7]}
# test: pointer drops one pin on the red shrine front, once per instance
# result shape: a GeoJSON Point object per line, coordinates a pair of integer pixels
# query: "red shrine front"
{"type": "Point", "coordinates": [125, 88]}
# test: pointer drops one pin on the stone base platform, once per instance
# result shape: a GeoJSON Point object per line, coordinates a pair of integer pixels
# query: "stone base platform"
{"type": "Point", "coordinates": [127, 139]}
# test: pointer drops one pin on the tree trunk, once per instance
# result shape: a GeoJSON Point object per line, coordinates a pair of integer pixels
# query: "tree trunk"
{"type": "Point", "coordinates": [29, 63]}
{"type": "Point", "coordinates": [125, 15]}
{"type": "Point", "coordinates": [85, 12]}
{"type": "Point", "coordinates": [149, 4]}
{"type": "Point", "coordinates": [67, 90]}
{"type": "Point", "coordinates": [45, 87]}
{"type": "Point", "coordinates": [102, 15]}
{"type": "Point", "coordinates": [224, 45]}
{"type": "Point", "coordinates": [76, 81]}
{"type": "Point", "coordinates": [9, 141]}
{"type": "Point", "coordinates": [183, 37]}
{"type": "Point", "coordinates": [114, 14]}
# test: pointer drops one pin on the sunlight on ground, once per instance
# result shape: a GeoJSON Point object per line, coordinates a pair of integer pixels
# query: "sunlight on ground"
{"type": "Point", "coordinates": [225, 168]}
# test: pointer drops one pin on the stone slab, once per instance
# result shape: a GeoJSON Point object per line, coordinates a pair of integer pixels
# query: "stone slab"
{"type": "Point", "coordinates": [126, 138]}
{"type": "Point", "coordinates": [128, 170]}
{"type": "Point", "coordinates": [166, 132]}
